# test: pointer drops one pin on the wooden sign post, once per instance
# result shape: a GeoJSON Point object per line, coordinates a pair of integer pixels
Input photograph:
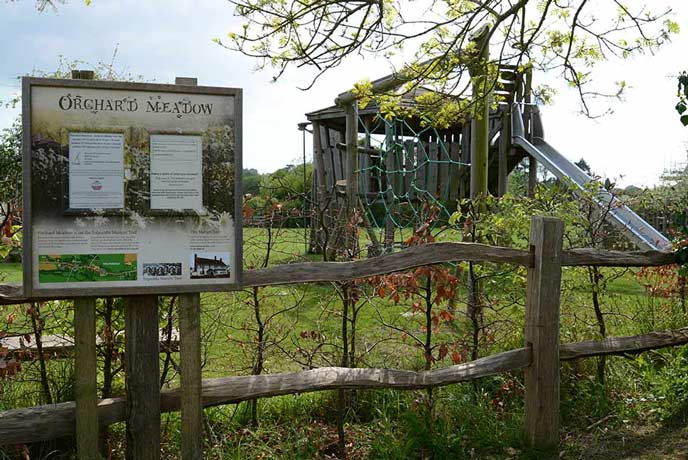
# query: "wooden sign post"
{"type": "Point", "coordinates": [132, 189]}
{"type": "Point", "coordinates": [142, 374]}
{"type": "Point", "coordinates": [85, 391]}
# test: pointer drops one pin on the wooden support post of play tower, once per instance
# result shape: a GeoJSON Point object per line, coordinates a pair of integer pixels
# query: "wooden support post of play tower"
{"type": "Point", "coordinates": [528, 124]}
{"type": "Point", "coordinates": [389, 193]}
{"type": "Point", "coordinates": [542, 335]}
{"type": "Point", "coordinates": [480, 122]}
{"type": "Point", "coordinates": [142, 377]}
{"type": "Point", "coordinates": [351, 139]}
{"type": "Point", "coordinates": [321, 208]}
{"type": "Point", "coordinates": [503, 155]}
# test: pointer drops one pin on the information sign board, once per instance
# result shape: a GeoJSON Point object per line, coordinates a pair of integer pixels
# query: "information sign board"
{"type": "Point", "coordinates": [130, 188]}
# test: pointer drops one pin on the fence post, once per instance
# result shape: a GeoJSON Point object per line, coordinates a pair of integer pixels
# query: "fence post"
{"type": "Point", "coordinates": [542, 334]}
{"type": "Point", "coordinates": [85, 385]}
{"type": "Point", "coordinates": [142, 372]}
{"type": "Point", "coordinates": [85, 378]}
{"type": "Point", "coordinates": [190, 358]}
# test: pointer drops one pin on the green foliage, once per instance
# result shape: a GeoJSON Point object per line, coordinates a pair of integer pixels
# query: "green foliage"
{"type": "Point", "coordinates": [10, 192]}
{"type": "Point", "coordinates": [11, 163]}
{"type": "Point", "coordinates": [283, 192]}
{"type": "Point", "coordinates": [446, 41]}
{"type": "Point", "coordinates": [669, 199]}
{"type": "Point", "coordinates": [250, 182]}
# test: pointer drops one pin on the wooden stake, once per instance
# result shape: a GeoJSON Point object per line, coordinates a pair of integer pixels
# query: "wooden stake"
{"type": "Point", "coordinates": [142, 368]}
{"type": "Point", "coordinates": [352, 188]}
{"type": "Point", "coordinates": [389, 192]}
{"type": "Point", "coordinates": [190, 357]}
{"type": "Point", "coordinates": [85, 378]}
{"type": "Point", "coordinates": [528, 121]}
{"type": "Point", "coordinates": [480, 123]}
{"type": "Point", "coordinates": [85, 382]}
{"type": "Point", "coordinates": [542, 334]}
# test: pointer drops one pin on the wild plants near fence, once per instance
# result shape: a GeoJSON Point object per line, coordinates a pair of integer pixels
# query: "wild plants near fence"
{"type": "Point", "coordinates": [539, 356]}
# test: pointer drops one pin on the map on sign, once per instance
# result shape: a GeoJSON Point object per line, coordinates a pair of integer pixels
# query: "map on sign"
{"type": "Point", "coordinates": [86, 267]}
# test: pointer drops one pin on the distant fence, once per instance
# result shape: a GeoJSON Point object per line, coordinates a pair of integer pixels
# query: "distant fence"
{"type": "Point", "coordinates": [286, 219]}
{"type": "Point", "coordinates": [540, 357]}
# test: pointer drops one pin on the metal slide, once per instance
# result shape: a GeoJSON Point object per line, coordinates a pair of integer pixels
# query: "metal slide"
{"type": "Point", "coordinates": [644, 235]}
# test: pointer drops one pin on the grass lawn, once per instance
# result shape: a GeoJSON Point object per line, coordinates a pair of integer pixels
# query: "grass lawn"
{"type": "Point", "coordinates": [10, 272]}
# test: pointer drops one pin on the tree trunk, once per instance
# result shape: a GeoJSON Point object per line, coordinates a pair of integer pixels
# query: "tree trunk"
{"type": "Point", "coordinates": [260, 351]}
{"type": "Point", "coordinates": [37, 325]}
{"type": "Point", "coordinates": [595, 278]}
{"type": "Point", "coordinates": [341, 401]}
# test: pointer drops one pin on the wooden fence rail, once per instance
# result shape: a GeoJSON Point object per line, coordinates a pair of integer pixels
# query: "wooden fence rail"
{"type": "Point", "coordinates": [42, 423]}
{"type": "Point", "coordinates": [415, 256]}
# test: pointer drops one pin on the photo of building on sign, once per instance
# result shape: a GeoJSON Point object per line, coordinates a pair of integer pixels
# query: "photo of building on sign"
{"type": "Point", "coordinates": [210, 265]}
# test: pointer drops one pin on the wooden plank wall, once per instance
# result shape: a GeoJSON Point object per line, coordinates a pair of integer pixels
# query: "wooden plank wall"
{"type": "Point", "coordinates": [430, 165]}
{"type": "Point", "coordinates": [327, 158]}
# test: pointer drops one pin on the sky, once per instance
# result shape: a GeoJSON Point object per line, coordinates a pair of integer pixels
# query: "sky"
{"type": "Point", "coordinates": [162, 39]}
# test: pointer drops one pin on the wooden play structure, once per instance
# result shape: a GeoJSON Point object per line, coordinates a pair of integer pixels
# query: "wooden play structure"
{"type": "Point", "coordinates": [389, 168]}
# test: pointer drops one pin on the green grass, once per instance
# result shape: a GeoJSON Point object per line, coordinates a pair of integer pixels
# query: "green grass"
{"type": "Point", "coordinates": [11, 272]}
{"type": "Point", "coordinates": [481, 420]}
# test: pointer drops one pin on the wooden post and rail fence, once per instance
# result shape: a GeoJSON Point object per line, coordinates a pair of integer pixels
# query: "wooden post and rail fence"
{"type": "Point", "coordinates": [540, 356]}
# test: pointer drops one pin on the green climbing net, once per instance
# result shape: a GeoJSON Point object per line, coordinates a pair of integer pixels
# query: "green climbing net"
{"type": "Point", "coordinates": [408, 174]}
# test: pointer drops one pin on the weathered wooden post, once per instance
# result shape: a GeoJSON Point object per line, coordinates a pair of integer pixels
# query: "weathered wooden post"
{"type": "Point", "coordinates": [85, 386]}
{"type": "Point", "coordinates": [190, 358]}
{"type": "Point", "coordinates": [542, 334]}
{"type": "Point", "coordinates": [142, 377]}
{"type": "Point", "coordinates": [481, 118]}
{"type": "Point", "coordinates": [503, 161]}
{"type": "Point", "coordinates": [190, 361]}
{"type": "Point", "coordinates": [528, 124]}
{"type": "Point", "coordinates": [389, 191]}
{"type": "Point", "coordinates": [85, 392]}
{"type": "Point", "coordinates": [351, 138]}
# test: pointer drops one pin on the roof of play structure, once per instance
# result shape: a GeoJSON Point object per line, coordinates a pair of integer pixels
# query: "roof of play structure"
{"type": "Point", "coordinates": [334, 116]}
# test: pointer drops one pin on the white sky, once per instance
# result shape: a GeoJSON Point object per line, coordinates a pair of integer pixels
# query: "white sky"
{"type": "Point", "coordinates": [161, 39]}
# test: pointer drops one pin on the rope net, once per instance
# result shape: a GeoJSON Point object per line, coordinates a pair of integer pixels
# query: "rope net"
{"type": "Point", "coordinates": [408, 173]}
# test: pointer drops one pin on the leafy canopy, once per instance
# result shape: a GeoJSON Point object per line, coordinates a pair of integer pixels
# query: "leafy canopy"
{"type": "Point", "coordinates": [432, 39]}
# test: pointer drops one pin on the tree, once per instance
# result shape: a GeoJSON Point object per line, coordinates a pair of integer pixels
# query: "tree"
{"type": "Point", "coordinates": [10, 188]}
{"type": "Point", "coordinates": [437, 42]}
{"type": "Point", "coordinates": [250, 181]}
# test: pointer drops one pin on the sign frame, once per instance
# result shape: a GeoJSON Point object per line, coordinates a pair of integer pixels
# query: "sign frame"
{"type": "Point", "coordinates": [28, 83]}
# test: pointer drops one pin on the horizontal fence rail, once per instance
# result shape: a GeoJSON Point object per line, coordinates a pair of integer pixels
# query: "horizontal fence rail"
{"type": "Point", "coordinates": [42, 423]}
{"type": "Point", "coordinates": [415, 256]}
{"type": "Point", "coordinates": [605, 258]}
{"type": "Point", "coordinates": [624, 345]}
